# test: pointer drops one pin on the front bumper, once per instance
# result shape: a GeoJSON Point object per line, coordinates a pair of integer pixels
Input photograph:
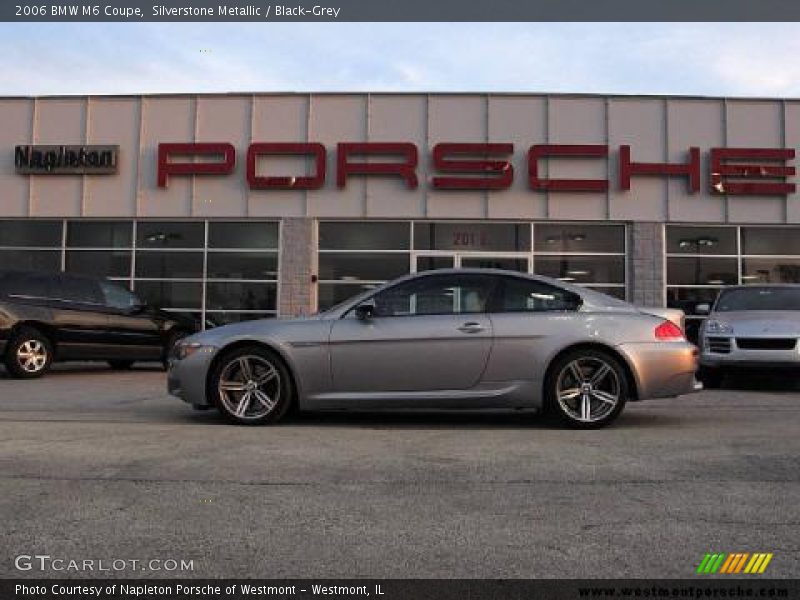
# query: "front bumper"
{"type": "Point", "coordinates": [740, 357]}
{"type": "Point", "coordinates": [663, 369]}
{"type": "Point", "coordinates": [187, 378]}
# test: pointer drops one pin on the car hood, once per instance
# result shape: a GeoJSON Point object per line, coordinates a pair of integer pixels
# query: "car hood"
{"type": "Point", "coordinates": [255, 329]}
{"type": "Point", "coordinates": [183, 321]}
{"type": "Point", "coordinates": [766, 323]}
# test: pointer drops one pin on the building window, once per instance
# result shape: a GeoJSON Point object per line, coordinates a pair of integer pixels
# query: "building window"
{"type": "Point", "coordinates": [473, 237]}
{"type": "Point", "coordinates": [770, 255]}
{"type": "Point", "coordinates": [31, 245]}
{"type": "Point", "coordinates": [217, 272]}
{"type": "Point", "coordinates": [357, 256]}
{"type": "Point", "coordinates": [363, 236]}
{"type": "Point", "coordinates": [241, 271]}
{"type": "Point", "coordinates": [99, 234]}
{"type": "Point", "coordinates": [584, 254]}
{"type": "Point", "coordinates": [31, 234]}
{"type": "Point", "coordinates": [702, 260]}
{"type": "Point", "coordinates": [158, 235]}
{"type": "Point", "coordinates": [100, 248]}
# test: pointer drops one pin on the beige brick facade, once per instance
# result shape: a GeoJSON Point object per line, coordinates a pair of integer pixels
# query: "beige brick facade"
{"type": "Point", "coordinates": [296, 291]}
{"type": "Point", "coordinates": [646, 276]}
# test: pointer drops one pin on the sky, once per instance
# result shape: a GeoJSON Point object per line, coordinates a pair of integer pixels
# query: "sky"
{"type": "Point", "coordinates": [711, 59]}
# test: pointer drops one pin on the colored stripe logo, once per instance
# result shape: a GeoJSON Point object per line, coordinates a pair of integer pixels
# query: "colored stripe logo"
{"type": "Point", "coordinates": [732, 564]}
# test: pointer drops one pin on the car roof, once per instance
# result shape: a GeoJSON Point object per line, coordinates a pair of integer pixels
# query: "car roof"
{"type": "Point", "coordinates": [479, 271]}
{"type": "Point", "coordinates": [498, 272]}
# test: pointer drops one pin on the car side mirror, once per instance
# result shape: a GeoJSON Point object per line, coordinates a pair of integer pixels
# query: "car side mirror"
{"type": "Point", "coordinates": [702, 309]}
{"type": "Point", "coordinates": [365, 312]}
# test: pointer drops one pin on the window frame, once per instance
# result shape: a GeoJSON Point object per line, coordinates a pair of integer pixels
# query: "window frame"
{"type": "Point", "coordinates": [349, 312]}
{"type": "Point", "coordinates": [498, 299]}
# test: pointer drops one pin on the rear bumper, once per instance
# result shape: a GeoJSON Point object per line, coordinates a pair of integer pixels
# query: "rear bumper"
{"type": "Point", "coordinates": [663, 369]}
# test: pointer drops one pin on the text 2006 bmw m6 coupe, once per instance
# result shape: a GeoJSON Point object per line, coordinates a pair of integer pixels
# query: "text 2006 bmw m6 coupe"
{"type": "Point", "coordinates": [461, 338]}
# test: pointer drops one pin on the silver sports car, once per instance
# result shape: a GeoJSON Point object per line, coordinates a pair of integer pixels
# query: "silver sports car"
{"type": "Point", "coordinates": [445, 339]}
{"type": "Point", "coordinates": [750, 326]}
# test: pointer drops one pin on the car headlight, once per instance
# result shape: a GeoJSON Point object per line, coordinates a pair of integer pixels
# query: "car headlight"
{"type": "Point", "coordinates": [715, 326]}
{"type": "Point", "coordinates": [185, 350]}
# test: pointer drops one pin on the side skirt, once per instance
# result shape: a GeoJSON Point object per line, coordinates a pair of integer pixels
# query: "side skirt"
{"type": "Point", "coordinates": [488, 395]}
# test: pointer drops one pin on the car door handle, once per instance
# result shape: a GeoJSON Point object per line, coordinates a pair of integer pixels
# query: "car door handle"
{"type": "Point", "coordinates": [471, 327]}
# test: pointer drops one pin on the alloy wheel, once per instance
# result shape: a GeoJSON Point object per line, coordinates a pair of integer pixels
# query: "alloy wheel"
{"type": "Point", "coordinates": [32, 356]}
{"type": "Point", "coordinates": [249, 387]}
{"type": "Point", "coordinates": [588, 389]}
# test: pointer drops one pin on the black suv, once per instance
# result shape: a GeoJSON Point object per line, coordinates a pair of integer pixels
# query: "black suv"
{"type": "Point", "coordinates": [58, 316]}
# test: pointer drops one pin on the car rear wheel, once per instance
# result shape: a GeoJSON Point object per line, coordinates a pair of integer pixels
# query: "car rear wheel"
{"type": "Point", "coordinates": [251, 386]}
{"type": "Point", "coordinates": [710, 377]}
{"type": "Point", "coordinates": [587, 389]}
{"type": "Point", "coordinates": [120, 365]}
{"type": "Point", "coordinates": [29, 353]}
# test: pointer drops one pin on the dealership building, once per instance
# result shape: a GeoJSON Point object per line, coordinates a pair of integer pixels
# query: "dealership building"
{"type": "Point", "coordinates": [239, 206]}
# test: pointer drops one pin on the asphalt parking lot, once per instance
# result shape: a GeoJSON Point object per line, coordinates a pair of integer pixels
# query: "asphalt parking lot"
{"type": "Point", "coordinates": [96, 464]}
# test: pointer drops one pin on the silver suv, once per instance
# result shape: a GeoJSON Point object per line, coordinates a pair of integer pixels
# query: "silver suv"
{"type": "Point", "coordinates": [750, 326]}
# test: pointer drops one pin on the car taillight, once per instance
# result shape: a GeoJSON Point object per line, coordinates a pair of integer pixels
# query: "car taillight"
{"type": "Point", "coordinates": [669, 332]}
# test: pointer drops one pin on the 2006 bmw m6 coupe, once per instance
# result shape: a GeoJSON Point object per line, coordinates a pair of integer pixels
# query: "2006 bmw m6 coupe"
{"type": "Point", "coordinates": [445, 339]}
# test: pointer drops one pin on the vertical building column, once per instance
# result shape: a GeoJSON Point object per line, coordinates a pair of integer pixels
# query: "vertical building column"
{"type": "Point", "coordinates": [298, 262]}
{"type": "Point", "coordinates": [646, 277]}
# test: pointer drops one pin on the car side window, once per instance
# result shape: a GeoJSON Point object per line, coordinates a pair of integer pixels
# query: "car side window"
{"type": "Point", "coordinates": [117, 297]}
{"type": "Point", "coordinates": [435, 295]}
{"type": "Point", "coordinates": [528, 295]}
{"type": "Point", "coordinates": [76, 290]}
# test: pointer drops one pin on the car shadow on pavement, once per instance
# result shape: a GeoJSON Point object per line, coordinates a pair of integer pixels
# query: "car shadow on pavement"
{"type": "Point", "coordinates": [464, 420]}
{"type": "Point", "coordinates": [93, 368]}
{"type": "Point", "coordinates": [763, 380]}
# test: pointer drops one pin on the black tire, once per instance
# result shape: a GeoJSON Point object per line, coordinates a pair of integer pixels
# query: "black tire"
{"type": "Point", "coordinates": [120, 365]}
{"type": "Point", "coordinates": [612, 382]}
{"type": "Point", "coordinates": [173, 340]}
{"type": "Point", "coordinates": [29, 353]}
{"type": "Point", "coordinates": [279, 389]}
{"type": "Point", "coordinates": [711, 377]}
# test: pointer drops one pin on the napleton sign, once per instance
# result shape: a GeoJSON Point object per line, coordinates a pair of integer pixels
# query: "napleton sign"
{"type": "Point", "coordinates": [66, 160]}
{"type": "Point", "coordinates": [480, 166]}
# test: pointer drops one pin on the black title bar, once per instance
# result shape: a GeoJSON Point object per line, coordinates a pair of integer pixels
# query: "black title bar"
{"type": "Point", "coordinates": [137, 11]}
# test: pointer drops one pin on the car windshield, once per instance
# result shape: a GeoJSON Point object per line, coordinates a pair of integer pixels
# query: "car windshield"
{"type": "Point", "coordinates": [759, 298]}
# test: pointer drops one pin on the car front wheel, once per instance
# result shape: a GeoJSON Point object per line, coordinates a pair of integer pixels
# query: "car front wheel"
{"type": "Point", "coordinates": [586, 389]}
{"type": "Point", "coordinates": [29, 354]}
{"type": "Point", "coordinates": [251, 386]}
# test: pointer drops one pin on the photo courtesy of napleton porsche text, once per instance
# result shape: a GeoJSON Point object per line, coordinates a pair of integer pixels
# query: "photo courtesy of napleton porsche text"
{"type": "Point", "coordinates": [346, 300]}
